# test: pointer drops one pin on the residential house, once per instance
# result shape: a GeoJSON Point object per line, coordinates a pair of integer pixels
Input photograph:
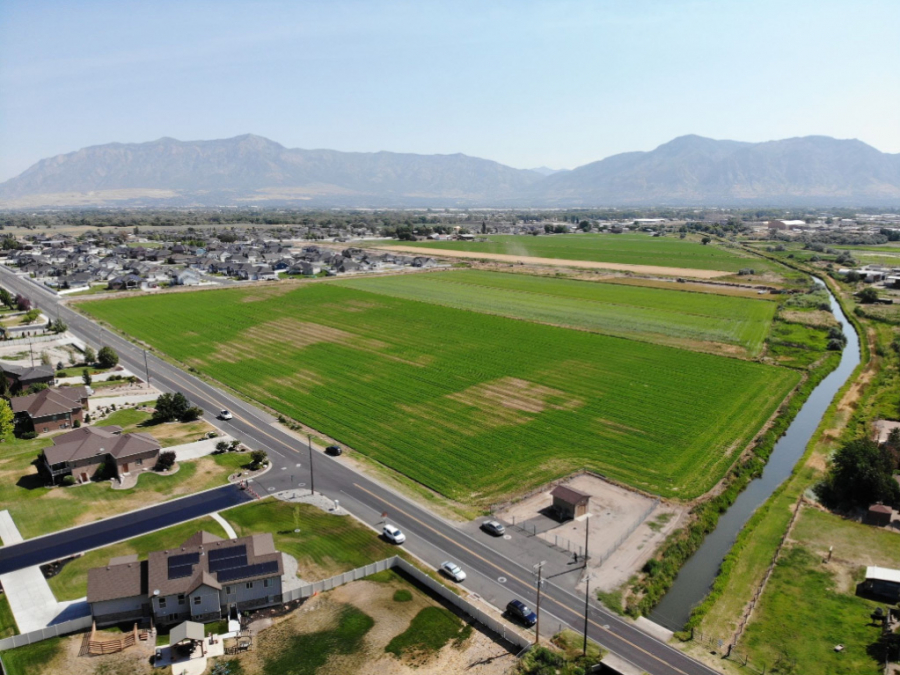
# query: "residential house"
{"type": "Point", "coordinates": [187, 277]}
{"type": "Point", "coordinates": [22, 377]}
{"type": "Point", "coordinates": [202, 580]}
{"type": "Point", "coordinates": [51, 409]}
{"type": "Point", "coordinates": [82, 452]}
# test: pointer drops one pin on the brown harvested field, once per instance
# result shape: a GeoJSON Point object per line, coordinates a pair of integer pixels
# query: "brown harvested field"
{"type": "Point", "coordinates": [817, 318]}
{"type": "Point", "coordinates": [589, 264]}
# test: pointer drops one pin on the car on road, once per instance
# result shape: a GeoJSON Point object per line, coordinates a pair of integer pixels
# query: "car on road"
{"type": "Point", "coordinates": [452, 570]}
{"type": "Point", "coordinates": [334, 450]}
{"type": "Point", "coordinates": [493, 527]}
{"type": "Point", "coordinates": [225, 415]}
{"type": "Point", "coordinates": [521, 612]}
{"type": "Point", "coordinates": [393, 534]}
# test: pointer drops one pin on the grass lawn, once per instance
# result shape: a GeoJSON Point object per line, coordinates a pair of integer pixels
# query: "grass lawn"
{"type": "Point", "coordinates": [307, 652]}
{"type": "Point", "coordinates": [31, 658]}
{"type": "Point", "coordinates": [8, 625]}
{"type": "Point", "coordinates": [428, 632]}
{"type": "Point", "coordinates": [326, 545]}
{"type": "Point", "coordinates": [39, 510]}
{"type": "Point", "coordinates": [666, 316]}
{"type": "Point", "coordinates": [632, 249]}
{"type": "Point", "coordinates": [167, 433]}
{"type": "Point", "coordinates": [802, 615]}
{"type": "Point", "coordinates": [862, 544]}
{"type": "Point", "coordinates": [473, 406]}
{"type": "Point", "coordinates": [71, 582]}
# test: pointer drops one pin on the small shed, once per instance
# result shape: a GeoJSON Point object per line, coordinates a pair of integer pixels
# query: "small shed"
{"type": "Point", "coordinates": [879, 515]}
{"type": "Point", "coordinates": [568, 502]}
{"type": "Point", "coordinates": [883, 582]}
{"type": "Point", "coordinates": [189, 630]}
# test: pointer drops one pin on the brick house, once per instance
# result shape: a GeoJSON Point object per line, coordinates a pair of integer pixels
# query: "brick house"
{"type": "Point", "coordinates": [51, 409]}
{"type": "Point", "coordinates": [202, 580]}
{"type": "Point", "coordinates": [22, 377]}
{"type": "Point", "coordinates": [82, 452]}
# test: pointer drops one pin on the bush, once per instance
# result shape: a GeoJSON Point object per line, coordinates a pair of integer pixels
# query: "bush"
{"type": "Point", "coordinates": [192, 414]}
{"type": "Point", "coordinates": [87, 418]}
{"type": "Point", "coordinates": [258, 458]}
{"type": "Point", "coordinates": [165, 462]}
{"type": "Point", "coordinates": [28, 435]}
{"type": "Point", "coordinates": [867, 296]}
{"type": "Point", "coordinates": [76, 424]}
{"type": "Point", "coordinates": [222, 446]}
{"type": "Point", "coordinates": [68, 480]}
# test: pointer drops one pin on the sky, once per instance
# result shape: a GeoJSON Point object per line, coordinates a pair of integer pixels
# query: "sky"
{"type": "Point", "coordinates": [525, 83]}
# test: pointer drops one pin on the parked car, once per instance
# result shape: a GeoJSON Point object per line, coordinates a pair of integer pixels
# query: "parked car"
{"type": "Point", "coordinates": [334, 450]}
{"type": "Point", "coordinates": [225, 415]}
{"type": "Point", "coordinates": [493, 527]}
{"type": "Point", "coordinates": [393, 534]}
{"type": "Point", "coordinates": [519, 611]}
{"type": "Point", "coordinates": [452, 570]}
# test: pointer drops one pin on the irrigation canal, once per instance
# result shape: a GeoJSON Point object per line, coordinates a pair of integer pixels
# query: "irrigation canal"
{"type": "Point", "coordinates": [696, 577]}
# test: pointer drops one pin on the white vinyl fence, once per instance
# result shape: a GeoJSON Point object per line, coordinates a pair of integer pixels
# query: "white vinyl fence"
{"type": "Point", "coordinates": [64, 628]}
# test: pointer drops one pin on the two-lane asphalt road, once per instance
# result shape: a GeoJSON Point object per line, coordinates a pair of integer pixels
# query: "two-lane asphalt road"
{"type": "Point", "coordinates": [494, 576]}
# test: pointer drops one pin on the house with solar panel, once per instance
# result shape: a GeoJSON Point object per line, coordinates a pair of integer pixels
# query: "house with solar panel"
{"type": "Point", "coordinates": [205, 579]}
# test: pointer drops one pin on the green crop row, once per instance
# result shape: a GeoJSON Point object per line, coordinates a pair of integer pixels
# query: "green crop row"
{"type": "Point", "coordinates": [472, 405]}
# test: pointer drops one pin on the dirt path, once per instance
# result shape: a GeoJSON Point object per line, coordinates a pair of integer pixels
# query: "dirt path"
{"type": "Point", "coordinates": [530, 260]}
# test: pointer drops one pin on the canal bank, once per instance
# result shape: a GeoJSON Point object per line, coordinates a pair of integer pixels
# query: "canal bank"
{"type": "Point", "coordinates": [697, 575]}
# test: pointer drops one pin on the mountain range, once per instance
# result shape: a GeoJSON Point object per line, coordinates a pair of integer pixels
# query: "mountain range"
{"type": "Point", "coordinates": [252, 170]}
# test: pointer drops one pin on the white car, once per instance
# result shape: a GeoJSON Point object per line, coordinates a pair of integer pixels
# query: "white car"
{"type": "Point", "coordinates": [452, 570]}
{"type": "Point", "coordinates": [225, 415]}
{"type": "Point", "coordinates": [394, 535]}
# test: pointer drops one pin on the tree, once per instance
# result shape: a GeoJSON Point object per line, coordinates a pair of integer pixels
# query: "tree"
{"type": "Point", "coordinates": [107, 357]}
{"type": "Point", "coordinates": [258, 458]}
{"type": "Point", "coordinates": [165, 462]}
{"type": "Point", "coordinates": [23, 304]}
{"type": "Point", "coordinates": [705, 240]}
{"type": "Point", "coordinates": [45, 359]}
{"type": "Point", "coordinates": [171, 407]}
{"type": "Point", "coordinates": [6, 419]}
{"type": "Point", "coordinates": [86, 377]}
{"type": "Point", "coordinates": [31, 316]}
{"type": "Point", "coordinates": [35, 388]}
{"type": "Point", "coordinates": [59, 326]}
{"type": "Point", "coordinates": [192, 414]}
{"type": "Point", "coordinates": [89, 356]}
{"type": "Point", "coordinates": [867, 296]}
{"type": "Point", "coordinates": [861, 473]}
{"type": "Point", "coordinates": [6, 298]}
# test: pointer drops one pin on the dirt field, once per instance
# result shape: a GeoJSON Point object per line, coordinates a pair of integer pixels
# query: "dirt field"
{"type": "Point", "coordinates": [477, 655]}
{"type": "Point", "coordinates": [589, 264]}
{"type": "Point", "coordinates": [614, 510]}
{"type": "Point", "coordinates": [20, 353]}
{"type": "Point", "coordinates": [133, 661]}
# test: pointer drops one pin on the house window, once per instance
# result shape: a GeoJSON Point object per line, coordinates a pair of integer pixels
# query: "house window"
{"type": "Point", "coordinates": [249, 584]}
{"type": "Point", "coordinates": [181, 599]}
{"type": "Point", "coordinates": [268, 583]}
{"type": "Point", "coordinates": [162, 603]}
{"type": "Point", "coordinates": [139, 462]}
{"type": "Point", "coordinates": [197, 599]}
{"type": "Point", "coordinates": [229, 590]}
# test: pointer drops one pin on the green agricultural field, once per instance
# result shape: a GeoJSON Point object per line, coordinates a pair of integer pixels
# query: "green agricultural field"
{"type": "Point", "coordinates": [625, 249]}
{"type": "Point", "coordinates": [472, 405]}
{"type": "Point", "coordinates": [651, 314]}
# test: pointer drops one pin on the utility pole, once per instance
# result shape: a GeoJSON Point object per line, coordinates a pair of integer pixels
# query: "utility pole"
{"type": "Point", "coordinates": [587, 579]}
{"type": "Point", "coordinates": [538, 570]}
{"type": "Point", "coordinates": [146, 368]}
{"type": "Point", "coordinates": [31, 347]}
{"type": "Point", "coordinates": [312, 481]}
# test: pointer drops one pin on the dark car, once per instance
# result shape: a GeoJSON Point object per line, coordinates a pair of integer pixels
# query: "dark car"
{"type": "Point", "coordinates": [493, 527]}
{"type": "Point", "coordinates": [521, 612]}
{"type": "Point", "coordinates": [334, 450]}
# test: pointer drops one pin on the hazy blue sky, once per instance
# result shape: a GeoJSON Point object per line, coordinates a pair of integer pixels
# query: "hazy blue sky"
{"type": "Point", "coordinates": [525, 83]}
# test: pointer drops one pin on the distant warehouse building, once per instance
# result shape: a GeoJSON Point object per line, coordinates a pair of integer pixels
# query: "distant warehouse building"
{"type": "Point", "coordinates": [883, 582]}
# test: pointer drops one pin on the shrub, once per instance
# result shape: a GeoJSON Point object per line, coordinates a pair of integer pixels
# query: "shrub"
{"type": "Point", "coordinates": [87, 418]}
{"type": "Point", "coordinates": [258, 458]}
{"type": "Point", "coordinates": [68, 480]}
{"type": "Point", "coordinates": [165, 462]}
{"type": "Point", "coordinates": [222, 446]}
{"type": "Point", "coordinates": [28, 435]}
{"type": "Point", "coordinates": [76, 424]}
{"type": "Point", "coordinates": [107, 357]}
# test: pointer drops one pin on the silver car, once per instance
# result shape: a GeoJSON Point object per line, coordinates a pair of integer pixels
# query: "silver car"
{"type": "Point", "coordinates": [452, 570]}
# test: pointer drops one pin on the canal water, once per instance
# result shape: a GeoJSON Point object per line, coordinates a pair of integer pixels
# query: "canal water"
{"type": "Point", "coordinates": [696, 577]}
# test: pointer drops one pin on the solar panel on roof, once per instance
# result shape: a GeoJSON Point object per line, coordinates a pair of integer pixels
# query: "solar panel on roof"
{"type": "Point", "coordinates": [181, 572]}
{"type": "Point", "coordinates": [227, 563]}
{"type": "Point", "coordinates": [230, 552]}
{"type": "Point", "coordinates": [184, 559]}
{"type": "Point", "coordinates": [248, 571]}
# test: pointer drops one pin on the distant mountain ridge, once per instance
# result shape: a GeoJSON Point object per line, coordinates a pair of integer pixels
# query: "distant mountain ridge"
{"type": "Point", "coordinates": [249, 169]}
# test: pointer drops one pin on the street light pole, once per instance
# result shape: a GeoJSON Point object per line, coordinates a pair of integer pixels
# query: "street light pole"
{"type": "Point", "coordinates": [587, 580]}
{"type": "Point", "coordinates": [537, 625]}
{"type": "Point", "coordinates": [312, 481]}
{"type": "Point", "coordinates": [146, 368]}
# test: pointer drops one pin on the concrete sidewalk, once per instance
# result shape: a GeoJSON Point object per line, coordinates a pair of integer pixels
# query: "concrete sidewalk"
{"type": "Point", "coordinates": [32, 602]}
{"type": "Point", "coordinates": [198, 449]}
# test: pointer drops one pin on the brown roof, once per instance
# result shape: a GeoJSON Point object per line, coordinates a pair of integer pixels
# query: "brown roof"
{"type": "Point", "coordinates": [570, 495]}
{"type": "Point", "coordinates": [92, 441]}
{"type": "Point", "coordinates": [260, 549]}
{"type": "Point", "coordinates": [50, 402]}
{"type": "Point", "coordinates": [880, 508]}
{"type": "Point", "coordinates": [117, 581]}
